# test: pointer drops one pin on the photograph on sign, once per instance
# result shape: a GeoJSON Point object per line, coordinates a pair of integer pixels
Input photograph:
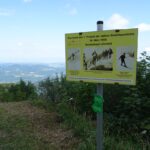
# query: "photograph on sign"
{"type": "Point", "coordinates": [125, 58]}
{"type": "Point", "coordinates": [98, 59]}
{"type": "Point", "coordinates": [73, 59]}
{"type": "Point", "coordinates": [108, 56]}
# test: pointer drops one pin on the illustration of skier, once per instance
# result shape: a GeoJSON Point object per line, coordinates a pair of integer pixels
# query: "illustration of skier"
{"type": "Point", "coordinates": [84, 61]}
{"type": "Point", "coordinates": [73, 55]}
{"type": "Point", "coordinates": [122, 58]}
{"type": "Point", "coordinates": [94, 57]}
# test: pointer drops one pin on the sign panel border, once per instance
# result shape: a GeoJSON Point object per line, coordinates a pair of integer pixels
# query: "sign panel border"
{"type": "Point", "coordinates": [108, 56]}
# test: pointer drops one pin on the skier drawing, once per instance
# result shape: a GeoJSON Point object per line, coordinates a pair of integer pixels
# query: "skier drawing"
{"type": "Point", "coordinates": [84, 61]}
{"type": "Point", "coordinates": [94, 57]}
{"type": "Point", "coordinates": [122, 58]}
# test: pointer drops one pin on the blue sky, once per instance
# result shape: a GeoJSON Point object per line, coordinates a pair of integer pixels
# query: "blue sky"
{"type": "Point", "coordinates": [33, 30]}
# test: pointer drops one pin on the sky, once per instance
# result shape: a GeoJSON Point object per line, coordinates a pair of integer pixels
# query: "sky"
{"type": "Point", "coordinates": [34, 30]}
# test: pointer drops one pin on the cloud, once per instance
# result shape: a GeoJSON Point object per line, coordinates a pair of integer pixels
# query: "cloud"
{"type": "Point", "coordinates": [143, 27]}
{"type": "Point", "coordinates": [116, 21]}
{"type": "Point", "coordinates": [27, 1]}
{"type": "Point", "coordinates": [6, 12]}
{"type": "Point", "coordinates": [147, 49]}
{"type": "Point", "coordinates": [71, 9]}
{"type": "Point", "coordinates": [73, 12]}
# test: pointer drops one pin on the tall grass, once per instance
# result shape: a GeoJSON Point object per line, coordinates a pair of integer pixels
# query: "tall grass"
{"type": "Point", "coordinates": [85, 130]}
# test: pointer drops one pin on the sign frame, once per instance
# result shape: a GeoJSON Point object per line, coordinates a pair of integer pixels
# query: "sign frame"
{"type": "Point", "coordinates": [114, 60]}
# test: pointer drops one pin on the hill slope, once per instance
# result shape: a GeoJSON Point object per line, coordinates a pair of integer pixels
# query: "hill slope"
{"type": "Point", "coordinates": [25, 127]}
{"type": "Point", "coordinates": [13, 72]}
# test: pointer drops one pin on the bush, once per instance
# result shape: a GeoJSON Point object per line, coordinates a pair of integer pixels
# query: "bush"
{"type": "Point", "coordinates": [18, 92]}
{"type": "Point", "coordinates": [81, 127]}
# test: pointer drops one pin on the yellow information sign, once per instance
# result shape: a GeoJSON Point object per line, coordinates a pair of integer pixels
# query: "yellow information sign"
{"type": "Point", "coordinates": [108, 56]}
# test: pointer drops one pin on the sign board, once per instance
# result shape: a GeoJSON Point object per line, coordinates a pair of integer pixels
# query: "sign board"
{"type": "Point", "coordinates": [107, 56]}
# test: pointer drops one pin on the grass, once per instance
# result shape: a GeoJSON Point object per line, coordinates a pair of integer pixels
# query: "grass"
{"type": "Point", "coordinates": [16, 133]}
{"type": "Point", "coordinates": [118, 143]}
{"type": "Point", "coordinates": [53, 127]}
{"type": "Point", "coordinates": [24, 127]}
{"type": "Point", "coordinates": [86, 132]}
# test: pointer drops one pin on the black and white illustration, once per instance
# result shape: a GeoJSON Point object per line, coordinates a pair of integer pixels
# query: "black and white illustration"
{"type": "Point", "coordinates": [73, 59]}
{"type": "Point", "coordinates": [98, 59]}
{"type": "Point", "coordinates": [125, 58]}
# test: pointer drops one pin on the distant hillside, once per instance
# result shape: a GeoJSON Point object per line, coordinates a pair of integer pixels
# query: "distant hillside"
{"type": "Point", "coordinates": [11, 72]}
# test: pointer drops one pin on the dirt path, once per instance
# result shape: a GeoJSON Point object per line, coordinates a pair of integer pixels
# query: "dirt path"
{"type": "Point", "coordinates": [25, 127]}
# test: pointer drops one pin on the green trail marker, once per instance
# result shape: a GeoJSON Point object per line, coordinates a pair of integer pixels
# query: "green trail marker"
{"type": "Point", "coordinates": [98, 104]}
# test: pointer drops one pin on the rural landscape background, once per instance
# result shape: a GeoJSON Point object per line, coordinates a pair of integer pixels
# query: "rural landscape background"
{"type": "Point", "coordinates": [39, 109]}
{"type": "Point", "coordinates": [13, 72]}
{"type": "Point", "coordinates": [53, 113]}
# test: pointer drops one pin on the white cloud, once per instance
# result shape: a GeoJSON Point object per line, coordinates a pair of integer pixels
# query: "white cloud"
{"type": "Point", "coordinates": [27, 1]}
{"type": "Point", "coordinates": [6, 12]}
{"type": "Point", "coordinates": [73, 12]}
{"type": "Point", "coordinates": [143, 27]}
{"type": "Point", "coordinates": [70, 8]}
{"type": "Point", "coordinates": [116, 21]}
{"type": "Point", "coordinates": [147, 49]}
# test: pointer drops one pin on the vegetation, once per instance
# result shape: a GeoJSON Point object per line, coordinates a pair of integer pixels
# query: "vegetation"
{"type": "Point", "coordinates": [24, 127]}
{"type": "Point", "coordinates": [126, 108]}
{"type": "Point", "coordinates": [17, 92]}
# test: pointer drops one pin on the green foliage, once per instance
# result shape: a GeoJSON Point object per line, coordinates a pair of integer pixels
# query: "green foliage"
{"type": "Point", "coordinates": [44, 104]}
{"type": "Point", "coordinates": [119, 143]}
{"type": "Point", "coordinates": [84, 130]}
{"type": "Point", "coordinates": [51, 89]}
{"type": "Point", "coordinates": [128, 106]}
{"type": "Point", "coordinates": [80, 126]}
{"type": "Point", "coordinates": [18, 92]}
{"type": "Point", "coordinates": [78, 95]}
{"type": "Point", "coordinates": [19, 132]}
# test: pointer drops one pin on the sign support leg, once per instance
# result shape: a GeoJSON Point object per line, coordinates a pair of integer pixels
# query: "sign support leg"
{"type": "Point", "coordinates": [99, 130]}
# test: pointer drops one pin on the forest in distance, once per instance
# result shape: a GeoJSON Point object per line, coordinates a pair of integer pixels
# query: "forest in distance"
{"type": "Point", "coordinates": [126, 108]}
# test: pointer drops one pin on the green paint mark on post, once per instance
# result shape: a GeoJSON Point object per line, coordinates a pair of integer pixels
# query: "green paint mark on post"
{"type": "Point", "coordinates": [98, 104]}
